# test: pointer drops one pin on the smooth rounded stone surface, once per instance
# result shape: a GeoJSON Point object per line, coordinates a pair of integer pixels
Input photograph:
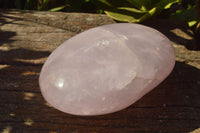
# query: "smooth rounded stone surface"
{"type": "Point", "coordinates": [106, 69]}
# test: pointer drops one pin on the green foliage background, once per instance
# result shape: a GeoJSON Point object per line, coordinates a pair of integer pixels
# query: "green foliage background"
{"type": "Point", "coordinates": [134, 10]}
{"type": "Point", "coordinates": [45, 5]}
{"type": "Point", "coordinates": [120, 10]}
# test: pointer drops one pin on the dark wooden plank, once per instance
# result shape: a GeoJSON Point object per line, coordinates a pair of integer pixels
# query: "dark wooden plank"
{"type": "Point", "coordinates": [27, 38]}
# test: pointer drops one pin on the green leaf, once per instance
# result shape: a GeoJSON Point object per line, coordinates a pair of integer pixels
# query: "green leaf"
{"type": "Point", "coordinates": [148, 15]}
{"type": "Point", "coordinates": [57, 8]}
{"type": "Point", "coordinates": [137, 3]}
{"type": "Point", "coordinates": [166, 4]}
{"type": "Point", "coordinates": [132, 9]}
{"type": "Point", "coordinates": [120, 15]}
{"type": "Point", "coordinates": [192, 23]}
{"type": "Point", "coordinates": [131, 17]}
{"type": "Point", "coordinates": [44, 5]}
{"type": "Point", "coordinates": [144, 5]}
{"type": "Point", "coordinates": [105, 2]}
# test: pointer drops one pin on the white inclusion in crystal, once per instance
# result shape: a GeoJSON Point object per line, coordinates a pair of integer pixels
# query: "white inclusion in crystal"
{"type": "Point", "coordinates": [102, 43]}
{"type": "Point", "coordinates": [157, 48]}
{"type": "Point", "coordinates": [120, 85]}
{"type": "Point", "coordinates": [59, 83]}
{"type": "Point", "coordinates": [124, 37]}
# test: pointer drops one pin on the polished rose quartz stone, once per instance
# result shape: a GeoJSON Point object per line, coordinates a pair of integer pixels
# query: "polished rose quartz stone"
{"type": "Point", "coordinates": [106, 69]}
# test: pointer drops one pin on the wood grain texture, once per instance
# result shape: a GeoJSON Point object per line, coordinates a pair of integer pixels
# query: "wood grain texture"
{"type": "Point", "coordinates": [28, 37]}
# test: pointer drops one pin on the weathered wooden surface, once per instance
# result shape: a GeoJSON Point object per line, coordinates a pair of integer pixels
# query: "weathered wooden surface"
{"type": "Point", "coordinates": [27, 38]}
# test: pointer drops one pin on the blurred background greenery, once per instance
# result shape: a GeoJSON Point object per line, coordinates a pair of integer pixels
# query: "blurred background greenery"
{"type": "Point", "coordinates": [120, 10]}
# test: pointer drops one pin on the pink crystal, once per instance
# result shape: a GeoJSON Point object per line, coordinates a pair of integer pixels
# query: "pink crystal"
{"type": "Point", "coordinates": [106, 69]}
